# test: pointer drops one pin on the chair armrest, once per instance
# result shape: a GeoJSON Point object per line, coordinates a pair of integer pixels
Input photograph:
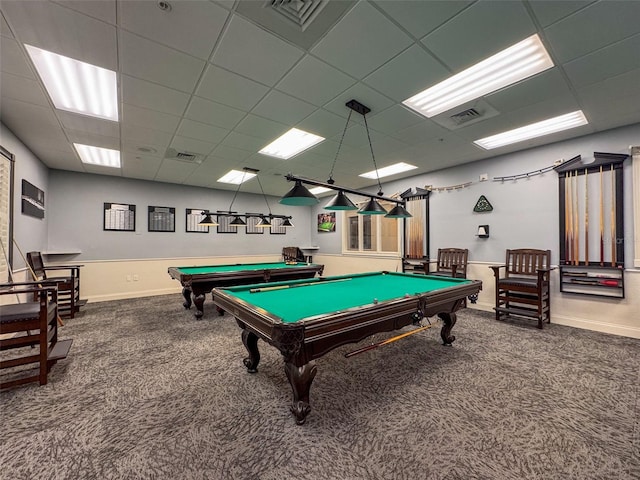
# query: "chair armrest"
{"type": "Point", "coordinates": [28, 287]}
{"type": "Point", "coordinates": [496, 269]}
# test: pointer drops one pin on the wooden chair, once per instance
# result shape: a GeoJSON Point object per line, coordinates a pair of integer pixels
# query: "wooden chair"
{"type": "Point", "coordinates": [524, 288]}
{"type": "Point", "coordinates": [293, 254]}
{"type": "Point", "coordinates": [451, 262]}
{"type": "Point", "coordinates": [29, 344]}
{"type": "Point", "coordinates": [68, 285]}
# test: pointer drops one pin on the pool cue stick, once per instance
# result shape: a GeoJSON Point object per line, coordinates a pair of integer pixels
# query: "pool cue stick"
{"type": "Point", "coordinates": [576, 237]}
{"type": "Point", "coordinates": [586, 218]}
{"type": "Point", "coordinates": [387, 341]}
{"type": "Point", "coordinates": [33, 274]}
{"type": "Point", "coordinates": [567, 244]}
{"type": "Point", "coordinates": [601, 219]}
{"type": "Point", "coordinates": [613, 219]}
{"type": "Point", "coordinates": [307, 284]}
{"type": "Point", "coordinates": [570, 218]}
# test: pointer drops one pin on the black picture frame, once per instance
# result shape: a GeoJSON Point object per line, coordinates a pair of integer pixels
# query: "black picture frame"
{"type": "Point", "coordinates": [277, 228]}
{"type": "Point", "coordinates": [161, 219]}
{"type": "Point", "coordinates": [119, 217]}
{"type": "Point", "coordinates": [251, 226]}
{"type": "Point", "coordinates": [32, 200]}
{"type": "Point", "coordinates": [193, 216]}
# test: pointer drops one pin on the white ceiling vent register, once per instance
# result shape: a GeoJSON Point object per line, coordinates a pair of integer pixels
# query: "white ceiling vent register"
{"type": "Point", "coordinates": [299, 12]}
{"type": "Point", "coordinates": [187, 157]}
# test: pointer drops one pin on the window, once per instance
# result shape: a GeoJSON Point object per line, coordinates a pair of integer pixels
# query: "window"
{"type": "Point", "coordinates": [371, 233]}
{"type": "Point", "coordinates": [6, 213]}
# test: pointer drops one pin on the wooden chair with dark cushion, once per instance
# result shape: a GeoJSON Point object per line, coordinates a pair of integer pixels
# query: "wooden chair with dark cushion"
{"type": "Point", "coordinates": [292, 254]}
{"type": "Point", "coordinates": [523, 290]}
{"type": "Point", "coordinates": [451, 262]}
{"type": "Point", "coordinates": [29, 344]}
{"type": "Point", "coordinates": [68, 285]}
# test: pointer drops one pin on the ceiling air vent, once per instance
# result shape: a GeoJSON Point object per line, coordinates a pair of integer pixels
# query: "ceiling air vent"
{"type": "Point", "coordinates": [465, 116]}
{"type": "Point", "coordinates": [186, 157]}
{"type": "Point", "coordinates": [299, 12]}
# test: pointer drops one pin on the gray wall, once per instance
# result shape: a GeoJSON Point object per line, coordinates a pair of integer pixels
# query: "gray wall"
{"type": "Point", "coordinates": [525, 211]}
{"type": "Point", "coordinates": [30, 233]}
{"type": "Point", "coordinates": [76, 219]}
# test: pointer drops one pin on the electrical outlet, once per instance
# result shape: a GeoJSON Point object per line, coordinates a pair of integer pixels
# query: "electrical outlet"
{"type": "Point", "coordinates": [136, 278]}
{"type": "Point", "coordinates": [128, 278]}
{"type": "Point", "coordinates": [484, 177]}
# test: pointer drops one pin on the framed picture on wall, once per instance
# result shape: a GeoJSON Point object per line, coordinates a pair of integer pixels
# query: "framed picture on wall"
{"type": "Point", "coordinates": [251, 226]}
{"type": "Point", "coordinates": [32, 200]}
{"type": "Point", "coordinates": [327, 222]}
{"type": "Point", "coordinates": [162, 219]}
{"type": "Point", "coordinates": [119, 217]}
{"type": "Point", "coordinates": [193, 218]}
{"type": "Point", "coordinates": [277, 228]}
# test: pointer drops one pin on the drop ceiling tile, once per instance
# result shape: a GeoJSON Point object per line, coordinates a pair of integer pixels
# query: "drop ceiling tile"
{"type": "Point", "coordinates": [254, 53]}
{"type": "Point", "coordinates": [29, 116]}
{"type": "Point", "coordinates": [13, 59]}
{"type": "Point", "coordinates": [551, 11]}
{"type": "Point", "coordinates": [100, 170]}
{"type": "Point", "coordinates": [5, 31]}
{"type": "Point", "coordinates": [172, 171]}
{"type": "Point", "coordinates": [206, 111]}
{"type": "Point", "coordinates": [230, 89]}
{"type": "Point", "coordinates": [614, 101]}
{"type": "Point", "coordinates": [104, 10]}
{"type": "Point", "coordinates": [191, 27]}
{"type": "Point", "coordinates": [314, 81]}
{"type": "Point", "coordinates": [83, 123]}
{"type": "Point", "coordinates": [550, 83]}
{"type": "Point", "coordinates": [153, 97]}
{"type": "Point", "coordinates": [393, 119]}
{"type": "Point", "coordinates": [230, 154]}
{"type": "Point", "coordinates": [472, 35]}
{"type": "Point", "coordinates": [191, 145]}
{"type": "Point", "coordinates": [323, 123]}
{"type": "Point", "coordinates": [144, 59]}
{"type": "Point", "coordinates": [85, 138]}
{"type": "Point", "coordinates": [58, 29]}
{"type": "Point", "coordinates": [420, 132]}
{"type": "Point", "coordinates": [610, 61]}
{"type": "Point", "coordinates": [139, 166]}
{"type": "Point", "coordinates": [244, 142]}
{"type": "Point", "coordinates": [201, 131]}
{"type": "Point", "coordinates": [361, 41]}
{"type": "Point", "coordinates": [407, 74]}
{"type": "Point", "coordinates": [420, 17]}
{"type": "Point", "coordinates": [147, 136]}
{"type": "Point", "coordinates": [582, 32]}
{"type": "Point", "coordinates": [363, 94]}
{"type": "Point", "coordinates": [48, 140]}
{"type": "Point", "coordinates": [283, 108]}
{"type": "Point", "coordinates": [23, 89]}
{"type": "Point", "coordinates": [261, 127]}
{"type": "Point", "coordinates": [143, 117]}
{"type": "Point", "coordinates": [61, 160]}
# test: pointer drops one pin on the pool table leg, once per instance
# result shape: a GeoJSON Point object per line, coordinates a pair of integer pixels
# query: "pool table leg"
{"type": "Point", "coordinates": [300, 379]}
{"type": "Point", "coordinates": [250, 341]}
{"type": "Point", "coordinates": [186, 293]}
{"type": "Point", "coordinates": [198, 300]}
{"type": "Point", "coordinates": [449, 320]}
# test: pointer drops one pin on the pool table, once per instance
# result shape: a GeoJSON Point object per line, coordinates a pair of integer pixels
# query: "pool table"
{"type": "Point", "coordinates": [305, 319]}
{"type": "Point", "coordinates": [198, 281]}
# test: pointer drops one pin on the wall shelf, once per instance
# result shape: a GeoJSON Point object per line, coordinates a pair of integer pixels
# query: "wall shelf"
{"type": "Point", "coordinates": [592, 280]}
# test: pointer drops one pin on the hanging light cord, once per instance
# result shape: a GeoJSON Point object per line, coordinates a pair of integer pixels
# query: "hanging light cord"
{"type": "Point", "coordinates": [366, 126]}
{"type": "Point", "coordinates": [331, 181]}
{"type": "Point", "coordinates": [264, 196]}
{"type": "Point", "coordinates": [244, 172]}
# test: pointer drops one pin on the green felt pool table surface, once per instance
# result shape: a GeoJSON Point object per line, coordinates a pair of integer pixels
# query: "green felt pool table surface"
{"type": "Point", "coordinates": [297, 300]}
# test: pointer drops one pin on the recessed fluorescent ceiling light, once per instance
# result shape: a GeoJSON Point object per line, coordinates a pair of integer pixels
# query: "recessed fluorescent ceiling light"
{"type": "Point", "coordinates": [291, 143]}
{"type": "Point", "coordinates": [545, 127]}
{"type": "Point", "coordinates": [75, 86]}
{"type": "Point", "coordinates": [390, 170]}
{"type": "Point", "coordinates": [236, 177]}
{"type": "Point", "coordinates": [516, 63]}
{"type": "Point", "coordinates": [98, 156]}
{"type": "Point", "coordinates": [319, 190]}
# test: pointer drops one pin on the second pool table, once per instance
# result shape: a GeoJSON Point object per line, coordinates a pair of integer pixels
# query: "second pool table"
{"type": "Point", "coordinates": [200, 280]}
{"type": "Point", "coordinates": [305, 319]}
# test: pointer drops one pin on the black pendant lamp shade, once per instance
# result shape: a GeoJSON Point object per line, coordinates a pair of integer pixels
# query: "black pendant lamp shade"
{"type": "Point", "coordinates": [286, 223]}
{"type": "Point", "coordinates": [237, 222]}
{"type": "Point", "coordinates": [398, 212]}
{"type": "Point", "coordinates": [340, 202]}
{"type": "Point", "coordinates": [299, 196]}
{"type": "Point", "coordinates": [263, 223]}
{"type": "Point", "coordinates": [208, 221]}
{"type": "Point", "coordinates": [372, 208]}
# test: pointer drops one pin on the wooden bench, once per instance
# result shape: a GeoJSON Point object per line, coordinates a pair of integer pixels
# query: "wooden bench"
{"type": "Point", "coordinates": [29, 344]}
{"type": "Point", "coordinates": [523, 290]}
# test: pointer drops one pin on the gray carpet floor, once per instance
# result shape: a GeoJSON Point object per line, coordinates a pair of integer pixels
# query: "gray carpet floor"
{"type": "Point", "coordinates": [148, 392]}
